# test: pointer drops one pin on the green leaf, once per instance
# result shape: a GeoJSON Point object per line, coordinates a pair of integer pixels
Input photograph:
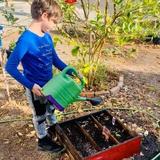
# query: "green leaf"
{"type": "Point", "coordinates": [73, 43]}
{"type": "Point", "coordinates": [75, 50]}
{"type": "Point", "coordinates": [12, 45]}
{"type": "Point", "coordinates": [118, 1]}
{"type": "Point", "coordinates": [86, 70]}
{"type": "Point", "coordinates": [56, 40]}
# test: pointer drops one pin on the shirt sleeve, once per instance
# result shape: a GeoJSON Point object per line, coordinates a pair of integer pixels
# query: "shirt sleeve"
{"type": "Point", "coordinates": [12, 64]}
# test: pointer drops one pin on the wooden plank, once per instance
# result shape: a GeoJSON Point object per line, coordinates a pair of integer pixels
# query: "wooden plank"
{"type": "Point", "coordinates": [65, 140]}
{"type": "Point", "coordinates": [101, 128]}
{"type": "Point", "coordinates": [89, 138]}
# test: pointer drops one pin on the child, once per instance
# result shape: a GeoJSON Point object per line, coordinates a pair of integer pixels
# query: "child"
{"type": "Point", "coordinates": [35, 51]}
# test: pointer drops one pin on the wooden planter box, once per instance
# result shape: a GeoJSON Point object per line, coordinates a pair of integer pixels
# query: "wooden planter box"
{"type": "Point", "coordinates": [84, 139]}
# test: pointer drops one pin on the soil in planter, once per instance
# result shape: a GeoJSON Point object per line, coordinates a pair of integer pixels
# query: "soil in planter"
{"type": "Point", "coordinates": [78, 139]}
{"type": "Point", "coordinates": [150, 148]}
{"type": "Point", "coordinates": [96, 134]}
{"type": "Point", "coordinates": [120, 133]}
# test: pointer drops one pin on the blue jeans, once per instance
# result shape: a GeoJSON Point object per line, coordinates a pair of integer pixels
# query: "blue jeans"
{"type": "Point", "coordinates": [43, 113]}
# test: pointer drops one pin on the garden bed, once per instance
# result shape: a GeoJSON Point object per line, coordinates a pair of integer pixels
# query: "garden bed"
{"type": "Point", "coordinates": [92, 137]}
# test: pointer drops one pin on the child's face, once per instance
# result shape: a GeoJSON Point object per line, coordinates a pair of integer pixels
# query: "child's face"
{"type": "Point", "coordinates": [48, 23]}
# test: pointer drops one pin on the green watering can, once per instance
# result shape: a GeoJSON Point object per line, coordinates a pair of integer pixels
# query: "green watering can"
{"type": "Point", "coordinates": [62, 90]}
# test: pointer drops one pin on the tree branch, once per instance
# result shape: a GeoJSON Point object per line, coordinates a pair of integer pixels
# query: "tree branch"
{"type": "Point", "coordinates": [84, 9]}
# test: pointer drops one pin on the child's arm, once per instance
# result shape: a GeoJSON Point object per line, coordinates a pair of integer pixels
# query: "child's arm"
{"type": "Point", "coordinates": [13, 62]}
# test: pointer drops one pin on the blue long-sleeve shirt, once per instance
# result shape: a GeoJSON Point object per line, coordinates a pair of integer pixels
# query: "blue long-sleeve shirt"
{"type": "Point", "coordinates": [37, 55]}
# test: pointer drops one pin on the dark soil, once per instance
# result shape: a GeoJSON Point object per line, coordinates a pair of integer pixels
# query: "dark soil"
{"type": "Point", "coordinates": [150, 147]}
{"type": "Point", "coordinates": [96, 134]}
{"type": "Point", "coordinates": [115, 127]}
{"type": "Point", "coordinates": [78, 139]}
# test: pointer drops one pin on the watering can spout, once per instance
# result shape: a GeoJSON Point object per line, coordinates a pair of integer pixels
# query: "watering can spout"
{"type": "Point", "coordinates": [94, 101]}
{"type": "Point", "coordinates": [79, 98]}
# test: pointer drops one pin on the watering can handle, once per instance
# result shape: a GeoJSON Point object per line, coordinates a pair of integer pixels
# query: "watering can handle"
{"type": "Point", "coordinates": [64, 72]}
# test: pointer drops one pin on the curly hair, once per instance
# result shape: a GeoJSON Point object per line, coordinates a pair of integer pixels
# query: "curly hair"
{"type": "Point", "coordinates": [51, 7]}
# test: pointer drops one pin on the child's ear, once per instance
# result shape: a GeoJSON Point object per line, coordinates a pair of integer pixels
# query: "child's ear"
{"type": "Point", "coordinates": [44, 16]}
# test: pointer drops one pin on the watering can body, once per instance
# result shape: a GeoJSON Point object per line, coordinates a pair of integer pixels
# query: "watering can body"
{"type": "Point", "coordinates": [62, 90]}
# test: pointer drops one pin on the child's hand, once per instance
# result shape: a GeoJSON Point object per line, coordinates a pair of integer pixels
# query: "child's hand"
{"type": "Point", "coordinates": [37, 90]}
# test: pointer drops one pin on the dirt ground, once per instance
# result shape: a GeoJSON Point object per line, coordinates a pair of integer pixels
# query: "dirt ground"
{"type": "Point", "coordinates": [141, 92]}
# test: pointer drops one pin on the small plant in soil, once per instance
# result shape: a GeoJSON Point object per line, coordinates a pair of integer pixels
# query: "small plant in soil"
{"type": "Point", "coordinates": [114, 126]}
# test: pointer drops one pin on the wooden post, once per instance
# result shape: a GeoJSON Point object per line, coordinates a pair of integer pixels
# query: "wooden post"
{"type": "Point", "coordinates": [2, 62]}
{"type": "Point", "coordinates": [8, 3]}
